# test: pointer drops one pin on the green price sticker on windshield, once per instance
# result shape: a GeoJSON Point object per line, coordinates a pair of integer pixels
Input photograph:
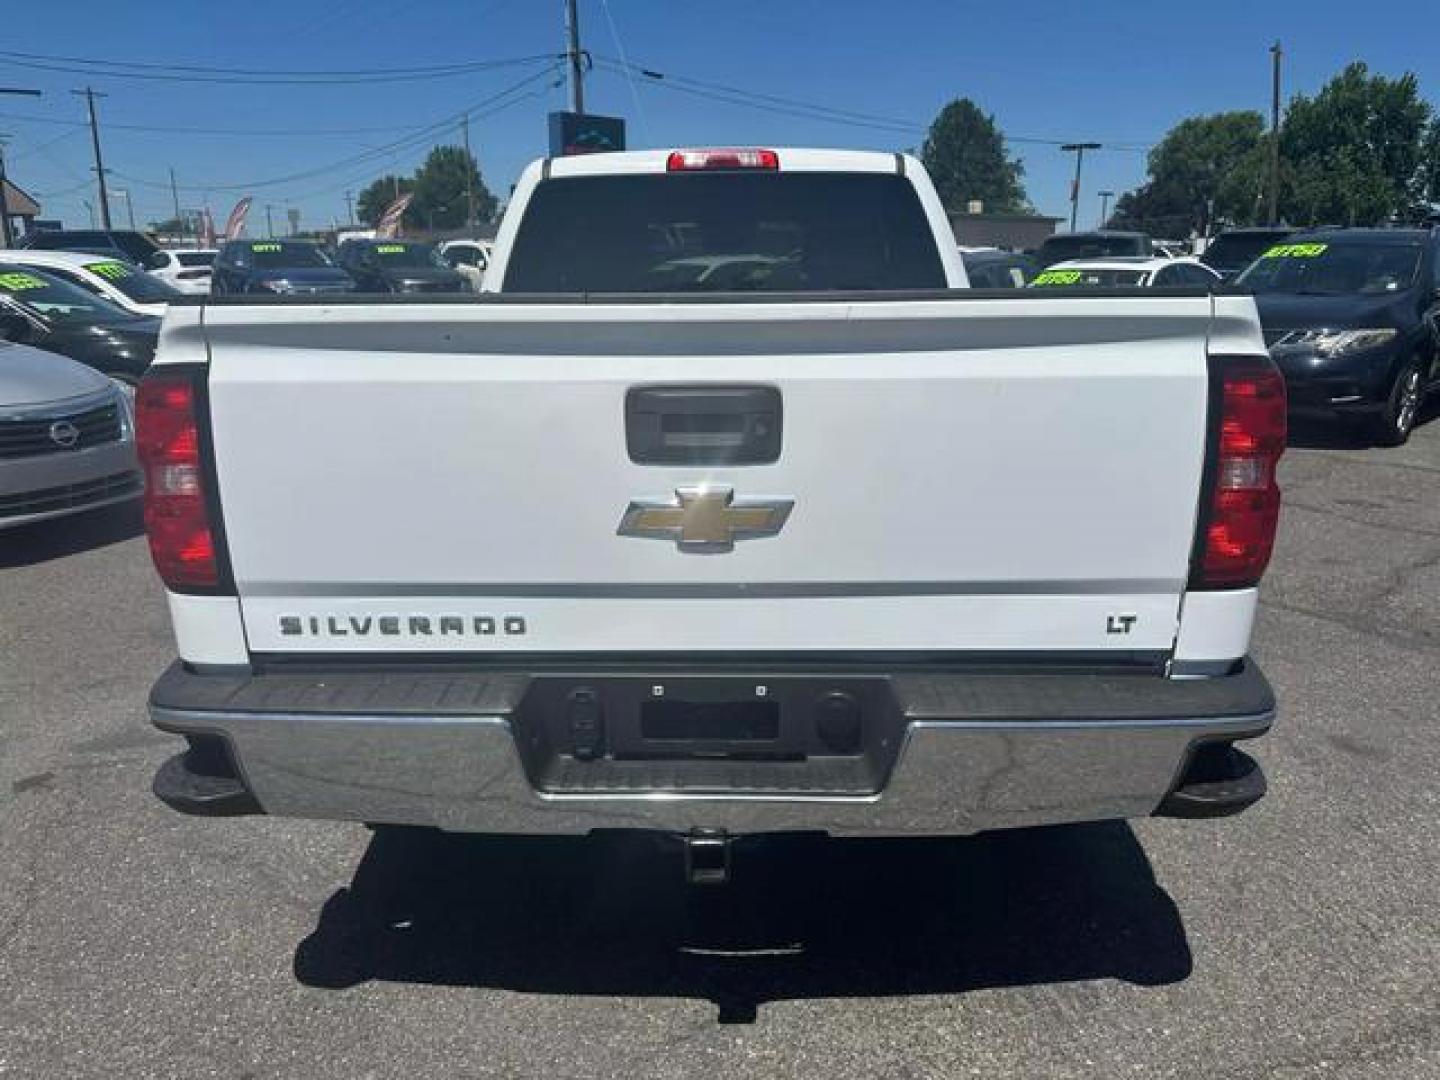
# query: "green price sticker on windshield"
{"type": "Point", "coordinates": [1057, 277]}
{"type": "Point", "coordinates": [115, 271]}
{"type": "Point", "coordinates": [266, 247]}
{"type": "Point", "coordinates": [390, 249]}
{"type": "Point", "coordinates": [20, 282]}
{"type": "Point", "coordinates": [1295, 251]}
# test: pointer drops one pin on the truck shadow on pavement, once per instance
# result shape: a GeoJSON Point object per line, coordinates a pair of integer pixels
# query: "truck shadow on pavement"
{"type": "Point", "coordinates": [803, 917]}
{"type": "Point", "coordinates": [29, 545]}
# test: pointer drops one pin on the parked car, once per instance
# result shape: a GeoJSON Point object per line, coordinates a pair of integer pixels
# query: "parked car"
{"type": "Point", "coordinates": [1234, 249]}
{"type": "Point", "coordinates": [715, 568]}
{"type": "Point", "coordinates": [122, 283]}
{"type": "Point", "coordinates": [1141, 272]}
{"type": "Point", "coordinates": [186, 269]}
{"type": "Point", "coordinates": [398, 266]}
{"type": "Point", "coordinates": [276, 266]}
{"type": "Point", "coordinates": [126, 244]}
{"type": "Point", "coordinates": [468, 257]}
{"type": "Point", "coordinates": [1100, 244]}
{"type": "Point", "coordinates": [59, 317]}
{"type": "Point", "coordinates": [1352, 318]}
{"type": "Point", "coordinates": [67, 440]}
{"type": "Point", "coordinates": [995, 269]}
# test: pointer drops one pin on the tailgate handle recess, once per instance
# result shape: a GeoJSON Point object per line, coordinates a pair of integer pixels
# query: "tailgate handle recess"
{"type": "Point", "coordinates": [703, 425]}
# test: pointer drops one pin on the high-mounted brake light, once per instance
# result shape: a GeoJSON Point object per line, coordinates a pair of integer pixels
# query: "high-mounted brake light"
{"type": "Point", "coordinates": [705, 160]}
{"type": "Point", "coordinates": [167, 436]}
{"type": "Point", "coordinates": [1242, 507]}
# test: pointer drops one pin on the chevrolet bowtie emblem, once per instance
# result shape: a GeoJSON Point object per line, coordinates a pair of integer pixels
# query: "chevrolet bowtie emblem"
{"type": "Point", "coordinates": [705, 520]}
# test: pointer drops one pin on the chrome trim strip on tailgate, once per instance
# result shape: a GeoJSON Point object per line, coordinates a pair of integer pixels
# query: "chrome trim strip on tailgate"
{"type": "Point", "coordinates": [713, 590]}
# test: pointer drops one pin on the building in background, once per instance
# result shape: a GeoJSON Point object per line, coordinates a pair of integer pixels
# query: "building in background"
{"type": "Point", "coordinates": [1014, 232]}
{"type": "Point", "coordinates": [21, 208]}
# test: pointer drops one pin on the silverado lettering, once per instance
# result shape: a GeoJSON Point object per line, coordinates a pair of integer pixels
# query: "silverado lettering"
{"type": "Point", "coordinates": [399, 626]}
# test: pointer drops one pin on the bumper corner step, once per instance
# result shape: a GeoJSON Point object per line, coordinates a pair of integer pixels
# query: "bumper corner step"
{"type": "Point", "coordinates": [182, 786]}
{"type": "Point", "coordinates": [1219, 781]}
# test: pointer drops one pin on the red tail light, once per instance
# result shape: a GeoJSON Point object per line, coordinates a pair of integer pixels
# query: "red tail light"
{"type": "Point", "coordinates": [1243, 505]}
{"type": "Point", "coordinates": [177, 518]}
{"type": "Point", "coordinates": [703, 160]}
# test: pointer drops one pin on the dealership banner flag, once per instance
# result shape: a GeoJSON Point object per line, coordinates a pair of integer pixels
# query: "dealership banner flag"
{"type": "Point", "coordinates": [389, 224]}
{"type": "Point", "coordinates": [235, 224]}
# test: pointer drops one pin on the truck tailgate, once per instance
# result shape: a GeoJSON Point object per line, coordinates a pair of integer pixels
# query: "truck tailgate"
{"type": "Point", "coordinates": [960, 474]}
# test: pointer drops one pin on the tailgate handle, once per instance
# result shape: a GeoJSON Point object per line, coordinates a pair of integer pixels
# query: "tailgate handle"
{"type": "Point", "coordinates": [703, 425]}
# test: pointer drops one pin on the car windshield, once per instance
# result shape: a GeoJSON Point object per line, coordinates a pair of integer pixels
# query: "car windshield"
{"type": "Point", "coordinates": [54, 300]}
{"type": "Point", "coordinates": [273, 255]}
{"type": "Point", "coordinates": [1060, 248]}
{"type": "Point", "coordinates": [1235, 251]}
{"type": "Point", "coordinates": [195, 258]}
{"type": "Point", "coordinates": [133, 282]}
{"type": "Point", "coordinates": [1080, 276]}
{"type": "Point", "coordinates": [1333, 268]}
{"type": "Point", "coordinates": [721, 232]}
{"type": "Point", "coordinates": [411, 256]}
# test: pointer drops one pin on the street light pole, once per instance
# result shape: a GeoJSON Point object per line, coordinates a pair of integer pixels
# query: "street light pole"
{"type": "Point", "coordinates": [350, 208]}
{"type": "Point", "coordinates": [6, 233]}
{"type": "Point", "coordinates": [1078, 149]}
{"type": "Point", "coordinates": [469, 178]}
{"type": "Point", "coordinates": [1105, 197]}
{"type": "Point", "coordinates": [129, 206]}
{"type": "Point", "coordinates": [1275, 53]}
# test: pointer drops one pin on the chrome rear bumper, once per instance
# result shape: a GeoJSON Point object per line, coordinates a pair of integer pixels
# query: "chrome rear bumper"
{"type": "Point", "coordinates": [977, 752]}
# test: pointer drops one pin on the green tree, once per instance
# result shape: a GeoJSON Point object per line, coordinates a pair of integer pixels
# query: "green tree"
{"type": "Point", "coordinates": [372, 201]}
{"type": "Point", "coordinates": [440, 191]}
{"type": "Point", "coordinates": [1354, 152]}
{"type": "Point", "coordinates": [966, 157]}
{"type": "Point", "coordinates": [1207, 170]}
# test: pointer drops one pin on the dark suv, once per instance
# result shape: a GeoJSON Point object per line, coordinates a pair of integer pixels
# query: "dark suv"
{"type": "Point", "coordinates": [125, 245]}
{"type": "Point", "coordinates": [401, 266]}
{"type": "Point", "coordinates": [1235, 249]}
{"type": "Point", "coordinates": [285, 267]}
{"type": "Point", "coordinates": [1352, 317]}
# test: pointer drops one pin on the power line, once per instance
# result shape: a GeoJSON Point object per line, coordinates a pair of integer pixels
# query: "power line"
{"type": "Point", "coordinates": [116, 69]}
{"type": "Point", "coordinates": [807, 110]}
{"type": "Point", "coordinates": [417, 137]}
{"type": "Point", "coordinates": [167, 130]}
{"type": "Point", "coordinates": [629, 67]}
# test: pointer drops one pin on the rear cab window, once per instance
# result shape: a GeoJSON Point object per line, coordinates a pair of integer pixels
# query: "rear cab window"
{"type": "Point", "coordinates": [724, 232]}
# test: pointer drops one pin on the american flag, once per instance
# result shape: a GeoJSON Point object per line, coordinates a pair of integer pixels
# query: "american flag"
{"type": "Point", "coordinates": [235, 224]}
{"type": "Point", "coordinates": [389, 224]}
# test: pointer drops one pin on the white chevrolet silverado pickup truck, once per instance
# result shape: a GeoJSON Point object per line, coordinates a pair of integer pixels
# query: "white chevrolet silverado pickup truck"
{"type": "Point", "coordinates": [728, 510]}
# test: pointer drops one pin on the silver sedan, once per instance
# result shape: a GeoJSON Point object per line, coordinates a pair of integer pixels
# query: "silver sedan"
{"type": "Point", "coordinates": [67, 438]}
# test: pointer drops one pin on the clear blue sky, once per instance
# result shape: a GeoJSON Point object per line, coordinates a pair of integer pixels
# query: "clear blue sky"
{"type": "Point", "coordinates": [1118, 71]}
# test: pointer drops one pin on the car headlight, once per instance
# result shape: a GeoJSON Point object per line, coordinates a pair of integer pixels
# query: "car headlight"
{"type": "Point", "coordinates": [1339, 342]}
{"type": "Point", "coordinates": [276, 285]}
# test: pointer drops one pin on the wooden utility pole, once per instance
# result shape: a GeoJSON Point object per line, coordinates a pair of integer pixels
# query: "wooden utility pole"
{"type": "Point", "coordinates": [577, 77]}
{"type": "Point", "coordinates": [89, 95]}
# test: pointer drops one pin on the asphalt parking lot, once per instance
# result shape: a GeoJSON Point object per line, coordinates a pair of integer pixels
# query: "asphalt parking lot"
{"type": "Point", "coordinates": [1299, 939]}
